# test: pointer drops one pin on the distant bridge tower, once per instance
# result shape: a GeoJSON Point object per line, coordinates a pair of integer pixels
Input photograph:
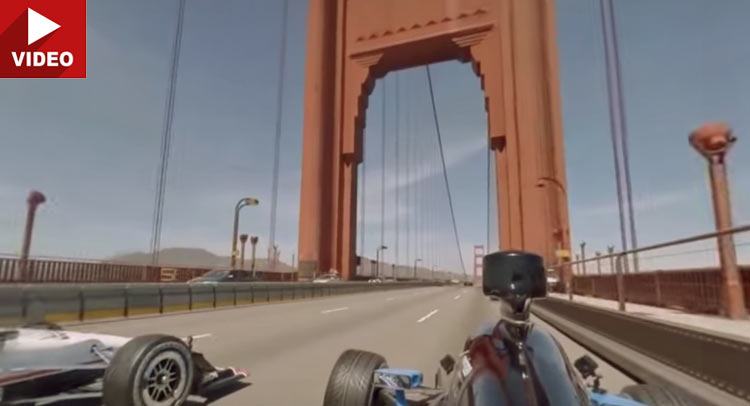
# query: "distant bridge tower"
{"type": "Point", "coordinates": [478, 256]}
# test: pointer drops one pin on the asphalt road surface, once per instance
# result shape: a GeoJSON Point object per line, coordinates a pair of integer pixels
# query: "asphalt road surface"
{"type": "Point", "coordinates": [290, 348]}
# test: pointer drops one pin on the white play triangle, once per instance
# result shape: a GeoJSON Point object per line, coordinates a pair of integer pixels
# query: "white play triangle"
{"type": "Point", "coordinates": [40, 26]}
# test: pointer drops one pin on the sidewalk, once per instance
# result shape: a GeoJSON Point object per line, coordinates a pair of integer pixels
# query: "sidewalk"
{"type": "Point", "coordinates": [708, 323]}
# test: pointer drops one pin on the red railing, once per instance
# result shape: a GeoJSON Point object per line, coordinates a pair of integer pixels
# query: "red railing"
{"type": "Point", "coordinates": [53, 271]}
{"type": "Point", "coordinates": [695, 290]}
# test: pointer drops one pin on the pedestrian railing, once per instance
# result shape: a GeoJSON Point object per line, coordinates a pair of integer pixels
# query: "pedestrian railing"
{"type": "Point", "coordinates": [703, 290]}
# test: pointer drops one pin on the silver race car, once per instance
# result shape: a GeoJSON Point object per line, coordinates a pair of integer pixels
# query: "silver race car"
{"type": "Point", "coordinates": [43, 364]}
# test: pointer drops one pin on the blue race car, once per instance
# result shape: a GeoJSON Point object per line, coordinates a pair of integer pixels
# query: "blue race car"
{"type": "Point", "coordinates": [512, 362]}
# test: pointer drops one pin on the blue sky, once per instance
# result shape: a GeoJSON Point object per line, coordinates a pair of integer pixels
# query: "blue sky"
{"type": "Point", "coordinates": [92, 146]}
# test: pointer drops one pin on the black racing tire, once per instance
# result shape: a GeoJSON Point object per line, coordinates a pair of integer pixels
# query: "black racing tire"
{"type": "Point", "coordinates": [656, 395]}
{"type": "Point", "coordinates": [133, 376]}
{"type": "Point", "coordinates": [351, 381]}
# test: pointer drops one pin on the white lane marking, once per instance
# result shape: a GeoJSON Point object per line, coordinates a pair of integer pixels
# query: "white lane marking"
{"type": "Point", "coordinates": [457, 297]}
{"type": "Point", "coordinates": [427, 316]}
{"type": "Point", "coordinates": [389, 299]}
{"type": "Point", "coordinates": [338, 309]}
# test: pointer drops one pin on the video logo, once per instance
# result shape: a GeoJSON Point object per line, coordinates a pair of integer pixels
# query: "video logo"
{"type": "Point", "coordinates": [43, 38]}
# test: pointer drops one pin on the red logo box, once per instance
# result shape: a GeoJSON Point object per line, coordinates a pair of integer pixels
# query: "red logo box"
{"type": "Point", "coordinates": [43, 38]}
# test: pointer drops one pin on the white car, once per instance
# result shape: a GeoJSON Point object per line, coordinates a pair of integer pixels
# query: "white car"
{"type": "Point", "coordinates": [43, 364]}
{"type": "Point", "coordinates": [326, 278]}
{"type": "Point", "coordinates": [375, 280]}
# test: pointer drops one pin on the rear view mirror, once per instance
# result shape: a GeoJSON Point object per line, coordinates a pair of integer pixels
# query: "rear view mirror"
{"type": "Point", "coordinates": [514, 275]}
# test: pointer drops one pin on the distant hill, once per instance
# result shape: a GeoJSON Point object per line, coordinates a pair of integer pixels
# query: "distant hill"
{"type": "Point", "coordinates": [192, 258]}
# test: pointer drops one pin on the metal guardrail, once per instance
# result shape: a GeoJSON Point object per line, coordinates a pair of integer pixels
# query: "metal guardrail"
{"type": "Point", "coordinates": [709, 286]}
{"type": "Point", "coordinates": [53, 271]}
{"type": "Point", "coordinates": [718, 361]}
{"type": "Point", "coordinates": [696, 291]}
{"type": "Point", "coordinates": [65, 303]}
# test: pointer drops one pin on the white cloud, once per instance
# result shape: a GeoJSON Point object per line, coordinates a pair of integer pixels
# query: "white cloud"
{"type": "Point", "coordinates": [642, 203]}
{"type": "Point", "coordinates": [454, 155]}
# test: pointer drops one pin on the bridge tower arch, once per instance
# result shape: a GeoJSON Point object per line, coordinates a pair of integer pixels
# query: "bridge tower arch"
{"type": "Point", "coordinates": [512, 47]}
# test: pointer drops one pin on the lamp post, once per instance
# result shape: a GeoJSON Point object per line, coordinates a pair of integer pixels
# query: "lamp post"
{"type": "Point", "coordinates": [578, 265]}
{"type": "Point", "coordinates": [415, 267]}
{"type": "Point", "coordinates": [247, 201]}
{"type": "Point", "coordinates": [713, 141]}
{"type": "Point", "coordinates": [561, 235]}
{"type": "Point", "coordinates": [583, 257]}
{"type": "Point", "coordinates": [610, 251]}
{"type": "Point", "coordinates": [253, 244]}
{"type": "Point", "coordinates": [598, 263]}
{"type": "Point", "coordinates": [377, 259]}
{"type": "Point", "coordinates": [34, 200]}
{"type": "Point", "coordinates": [243, 240]}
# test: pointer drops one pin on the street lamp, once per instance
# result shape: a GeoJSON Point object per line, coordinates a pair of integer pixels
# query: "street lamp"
{"type": "Point", "coordinates": [583, 257]}
{"type": "Point", "coordinates": [610, 251]}
{"type": "Point", "coordinates": [34, 200]}
{"type": "Point", "coordinates": [713, 141]}
{"type": "Point", "coordinates": [253, 243]}
{"type": "Point", "coordinates": [377, 259]}
{"type": "Point", "coordinates": [243, 240]}
{"type": "Point", "coordinates": [415, 267]}
{"type": "Point", "coordinates": [248, 201]}
{"type": "Point", "coordinates": [598, 263]}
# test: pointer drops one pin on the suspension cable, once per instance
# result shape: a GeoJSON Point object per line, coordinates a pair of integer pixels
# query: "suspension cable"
{"type": "Point", "coordinates": [363, 197]}
{"type": "Point", "coordinates": [277, 138]}
{"type": "Point", "coordinates": [397, 119]}
{"type": "Point", "coordinates": [407, 112]}
{"type": "Point", "coordinates": [445, 170]}
{"type": "Point", "coordinates": [166, 140]}
{"type": "Point", "coordinates": [382, 172]}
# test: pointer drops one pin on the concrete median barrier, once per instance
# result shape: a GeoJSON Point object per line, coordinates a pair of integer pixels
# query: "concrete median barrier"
{"type": "Point", "coordinates": [11, 305]}
{"type": "Point", "coordinates": [225, 294]}
{"type": "Point", "coordinates": [142, 299]}
{"type": "Point", "coordinates": [100, 301]}
{"type": "Point", "coordinates": [202, 297]}
{"type": "Point", "coordinates": [244, 293]}
{"type": "Point", "coordinates": [53, 304]}
{"type": "Point", "coordinates": [22, 304]}
{"type": "Point", "coordinates": [175, 297]}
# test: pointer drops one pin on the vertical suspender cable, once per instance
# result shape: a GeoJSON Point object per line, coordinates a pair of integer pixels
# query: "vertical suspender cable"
{"type": "Point", "coordinates": [408, 134]}
{"type": "Point", "coordinates": [445, 170]}
{"type": "Point", "coordinates": [363, 198]}
{"type": "Point", "coordinates": [614, 130]}
{"type": "Point", "coordinates": [277, 138]}
{"type": "Point", "coordinates": [398, 117]}
{"type": "Point", "coordinates": [382, 172]}
{"type": "Point", "coordinates": [623, 133]}
{"type": "Point", "coordinates": [166, 140]}
{"type": "Point", "coordinates": [420, 192]}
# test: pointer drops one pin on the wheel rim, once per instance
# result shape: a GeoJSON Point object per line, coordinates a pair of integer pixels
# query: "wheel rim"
{"type": "Point", "coordinates": [164, 379]}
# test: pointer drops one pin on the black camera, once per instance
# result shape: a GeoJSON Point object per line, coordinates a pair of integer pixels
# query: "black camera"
{"type": "Point", "coordinates": [513, 275]}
